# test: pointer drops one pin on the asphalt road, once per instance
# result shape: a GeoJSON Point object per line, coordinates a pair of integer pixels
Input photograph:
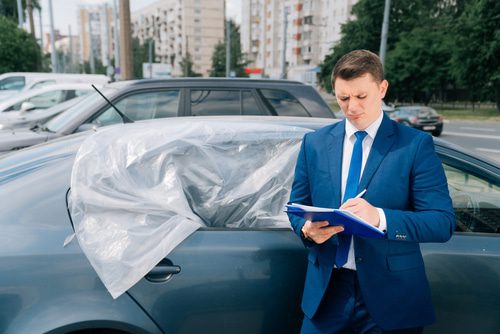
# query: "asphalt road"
{"type": "Point", "coordinates": [480, 137]}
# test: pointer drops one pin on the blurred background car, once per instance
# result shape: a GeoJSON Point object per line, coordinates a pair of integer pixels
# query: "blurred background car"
{"type": "Point", "coordinates": [13, 83]}
{"type": "Point", "coordinates": [147, 99]}
{"type": "Point", "coordinates": [44, 97]}
{"type": "Point", "coordinates": [419, 117]}
{"type": "Point", "coordinates": [250, 285]}
{"type": "Point", "coordinates": [30, 118]}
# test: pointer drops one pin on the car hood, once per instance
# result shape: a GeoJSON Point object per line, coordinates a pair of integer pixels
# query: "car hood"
{"type": "Point", "coordinates": [18, 138]}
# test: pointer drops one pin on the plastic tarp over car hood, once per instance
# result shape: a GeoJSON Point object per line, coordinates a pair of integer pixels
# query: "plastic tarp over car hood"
{"type": "Point", "coordinates": [139, 190]}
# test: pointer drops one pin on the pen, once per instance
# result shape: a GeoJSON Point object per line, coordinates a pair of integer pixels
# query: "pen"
{"type": "Point", "coordinates": [360, 194]}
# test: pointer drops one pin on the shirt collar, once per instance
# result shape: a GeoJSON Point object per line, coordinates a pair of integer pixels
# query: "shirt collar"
{"type": "Point", "coordinates": [371, 130]}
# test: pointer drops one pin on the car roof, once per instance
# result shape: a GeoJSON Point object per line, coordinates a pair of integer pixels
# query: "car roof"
{"type": "Point", "coordinates": [213, 82]}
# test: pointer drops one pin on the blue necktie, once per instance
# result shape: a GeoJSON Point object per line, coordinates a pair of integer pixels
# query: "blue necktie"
{"type": "Point", "coordinates": [351, 189]}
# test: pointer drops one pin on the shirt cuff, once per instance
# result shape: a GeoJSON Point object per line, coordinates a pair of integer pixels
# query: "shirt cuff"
{"type": "Point", "coordinates": [383, 222]}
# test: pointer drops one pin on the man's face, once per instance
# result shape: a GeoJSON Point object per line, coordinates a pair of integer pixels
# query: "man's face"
{"type": "Point", "coordinates": [360, 99]}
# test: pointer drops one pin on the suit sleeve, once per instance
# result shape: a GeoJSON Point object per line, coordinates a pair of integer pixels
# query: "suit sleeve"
{"type": "Point", "coordinates": [431, 218]}
{"type": "Point", "coordinates": [301, 190]}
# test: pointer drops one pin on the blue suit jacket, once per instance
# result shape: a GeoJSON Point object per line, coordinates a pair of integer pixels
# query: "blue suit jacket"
{"type": "Point", "coordinates": [403, 176]}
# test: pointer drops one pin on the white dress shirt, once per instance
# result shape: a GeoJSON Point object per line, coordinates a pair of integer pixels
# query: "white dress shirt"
{"type": "Point", "coordinates": [349, 140]}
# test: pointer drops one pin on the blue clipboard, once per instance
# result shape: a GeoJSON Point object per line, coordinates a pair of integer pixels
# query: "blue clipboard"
{"type": "Point", "coordinates": [352, 224]}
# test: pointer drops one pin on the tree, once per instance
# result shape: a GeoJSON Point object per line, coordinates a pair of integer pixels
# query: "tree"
{"type": "Point", "coordinates": [237, 63]}
{"type": "Point", "coordinates": [8, 8]}
{"type": "Point", "coordinates": [364, 31]}
{"type": "Point", "coordinates": [140, 55]}
{"type": "Point", "coordinates": [19, 51]}
{"type": "Point", "coordinates": [476, 62]}
{"type": "Point", "coordinates": [187, 67]}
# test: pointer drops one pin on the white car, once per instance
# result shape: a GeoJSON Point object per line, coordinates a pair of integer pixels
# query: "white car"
{"type": "Point", "coordinates": [13, 83]}
{"type": "Point", "coordinates": [45, 97]}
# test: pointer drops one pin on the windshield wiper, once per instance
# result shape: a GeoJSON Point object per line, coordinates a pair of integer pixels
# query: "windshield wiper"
{"type": "Point", "coordinates": [125, 119]}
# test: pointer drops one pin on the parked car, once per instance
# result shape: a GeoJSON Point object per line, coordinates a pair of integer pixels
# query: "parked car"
{"type": "Point", "coordinates": [419, 117]}
{"type": "Point", "coordinates": [44, 97]}
{"type": "Point", "coordinates": [146, 99]}
{"type": "Point", "coordinates": [30, 118]}
{"type": "Point", "coordinates": [13, 83]}
{"type": "Point", "coordinates": [229, 278]}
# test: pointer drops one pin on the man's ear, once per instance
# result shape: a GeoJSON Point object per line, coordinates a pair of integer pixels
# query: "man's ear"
{"type": "Point", "coordinates": [383, 88]}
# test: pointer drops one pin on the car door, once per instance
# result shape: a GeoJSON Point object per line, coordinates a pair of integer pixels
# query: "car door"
{"type": "Point", "coordinates": [464, 272]}
{"type": "Point", "coordinates": [228, 280]}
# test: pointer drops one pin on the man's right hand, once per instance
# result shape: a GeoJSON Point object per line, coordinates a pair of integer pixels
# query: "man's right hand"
{"type": "Point", "coordinates": [319, 231]}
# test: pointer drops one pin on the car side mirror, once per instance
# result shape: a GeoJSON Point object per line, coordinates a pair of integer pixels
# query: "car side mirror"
{"type": "Point", "coordinates": [27, 106]}
{"type": "Point", "coordinates": [86, 127]}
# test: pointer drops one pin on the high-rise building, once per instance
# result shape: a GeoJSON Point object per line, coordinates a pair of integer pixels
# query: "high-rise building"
{"type": "Point", "coordinates": [290, 38]}
{"type": "Point", "coordinates": [96, 22]}
{"type": "Point", "coordinates": [179, 27]}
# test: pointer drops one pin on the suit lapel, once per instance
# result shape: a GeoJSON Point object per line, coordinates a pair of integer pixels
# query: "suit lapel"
{"type": "Point", "coordinates": [335, 144]}
{"type": "Point", "coordinates": [384, 139]}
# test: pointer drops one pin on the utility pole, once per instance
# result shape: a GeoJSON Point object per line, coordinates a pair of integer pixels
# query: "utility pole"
{"type": "Point", "coordinates": [53, 57]}
{"type": "Point", "coordinates": [20, 14]}
{"type": "Point", "coordinates": [107, 57]}
{"type": "Point", "coordinates": [41, 28]}
{"type": "Point", "coordinates": [117, 44]}
{"type": "Point", "coordinates": [91, 45]}
{"type": "Point", "coordinates": [71, 60]}
{"type": "Point", "coordinates": [385, 31]}
{"type": "Point", "coordinates": [125, 41]}
{"type": "Point", "coordinates": [228, 48]}
{"type": "Point", "coordinates": [283, 54]}
{"type": "Point", "coordinates": [29, 6]}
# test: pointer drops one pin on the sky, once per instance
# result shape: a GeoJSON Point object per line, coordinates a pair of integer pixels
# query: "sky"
{"type": "Point", "coordinates": [65, 12]}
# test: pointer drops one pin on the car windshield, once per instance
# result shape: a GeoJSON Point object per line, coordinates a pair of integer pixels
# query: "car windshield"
{"type": "Point", "coordinates": [60, 122]}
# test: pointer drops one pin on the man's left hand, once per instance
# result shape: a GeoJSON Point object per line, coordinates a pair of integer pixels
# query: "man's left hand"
{"type": "Point", "coordinates": [362, 209]}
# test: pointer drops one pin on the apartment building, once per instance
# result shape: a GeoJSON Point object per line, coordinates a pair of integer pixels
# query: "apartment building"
{"type": "Point", "coordinates": [96, 33]}
{"type": "Point", "coordinates": [179, 27]}
{"type": "Point", "coordinates": [299, 33]}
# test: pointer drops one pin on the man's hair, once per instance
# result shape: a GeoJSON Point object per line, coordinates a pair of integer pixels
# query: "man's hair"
{"type": "Point", "coordinates": [356, 64]}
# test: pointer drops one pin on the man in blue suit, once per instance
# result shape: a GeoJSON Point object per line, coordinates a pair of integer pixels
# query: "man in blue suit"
{"type": "Point", "coordinates": [367, 285]}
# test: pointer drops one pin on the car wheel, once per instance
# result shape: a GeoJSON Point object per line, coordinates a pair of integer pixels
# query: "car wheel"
{"type": "Point", "coordinates": [437, 133]}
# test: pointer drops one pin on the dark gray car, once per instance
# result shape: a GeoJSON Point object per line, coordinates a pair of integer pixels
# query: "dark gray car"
{"type": "Point", "coordinates": [147, 99]}
{"type": "Point", "coordinates": [220, 279]}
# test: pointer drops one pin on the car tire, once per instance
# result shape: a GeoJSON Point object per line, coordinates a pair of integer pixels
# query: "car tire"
{"type": "Point", "coordinates": [437, 133]}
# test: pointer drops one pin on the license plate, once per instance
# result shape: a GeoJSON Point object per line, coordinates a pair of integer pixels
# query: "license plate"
{"type": "Point", "coordinates": [429, 128]}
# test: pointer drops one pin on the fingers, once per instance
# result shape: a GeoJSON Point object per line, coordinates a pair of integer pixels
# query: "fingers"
{"type": "Point", "coordinates": [320, 231]}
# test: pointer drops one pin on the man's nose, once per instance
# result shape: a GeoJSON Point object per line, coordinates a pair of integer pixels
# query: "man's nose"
{"type": "Point", "coordinates": [353, 105]}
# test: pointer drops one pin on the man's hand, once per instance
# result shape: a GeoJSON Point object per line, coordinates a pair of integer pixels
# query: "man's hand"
{"type": "Point", "coordinates": [319, 231]}
{"type": "Point", "coordinates": [363, 209]}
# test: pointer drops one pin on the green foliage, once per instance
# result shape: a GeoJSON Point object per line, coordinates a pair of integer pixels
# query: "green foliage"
{"type": "Point", "coordinates": [237, 61]}
{"type": "Point", "coordinates": [187, 67]}
{"type": "Point", "coordinates": [19, 51]}
{"type": "Point", "coordinates": [8, 8]}
{"type": "Point", "coordinates": [434, 47]}
{"type": "Point", "coordinates": [140, 54]}
{"type": "Point", "coordinates": [476, 61]}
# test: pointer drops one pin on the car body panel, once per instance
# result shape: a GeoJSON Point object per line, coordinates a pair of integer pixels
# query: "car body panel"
{"type": "Point", "coordinates": [230, 280]}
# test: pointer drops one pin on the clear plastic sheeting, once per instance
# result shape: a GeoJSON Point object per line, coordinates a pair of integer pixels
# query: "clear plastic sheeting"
{"type": "Point", "coordinates": [139, 190]}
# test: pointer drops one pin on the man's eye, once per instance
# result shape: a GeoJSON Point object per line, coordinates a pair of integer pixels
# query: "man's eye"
{"type": "Point", "coordinates": [361, 97]}
{"type": "Point", "coordinates": [343, 98]}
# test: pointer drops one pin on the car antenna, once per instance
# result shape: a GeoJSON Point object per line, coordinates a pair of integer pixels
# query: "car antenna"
{"type": "Point", "coordinates": [122, 115]}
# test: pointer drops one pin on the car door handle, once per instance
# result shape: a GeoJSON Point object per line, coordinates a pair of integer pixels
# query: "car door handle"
{"type": "Point", "coordinates": [163, 271]}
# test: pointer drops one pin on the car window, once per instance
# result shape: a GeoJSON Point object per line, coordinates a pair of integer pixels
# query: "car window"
{"type": "Point", "coordinates": [14, 83]}
{"type": "Point", "coordinates": [142, 106]}
{"type": "Point", "coordinates": [250, 106]}
{"type": "Point", "coordinates": [82, 92]}
{"type": "Point", "coordinates": [476, 201]}
{"type": "Point", "coordinates": [47, 100]}
{"type": "Point", "coordinates": [207, 102]}
{"type": "Point", "coordinates": [284, 103]}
